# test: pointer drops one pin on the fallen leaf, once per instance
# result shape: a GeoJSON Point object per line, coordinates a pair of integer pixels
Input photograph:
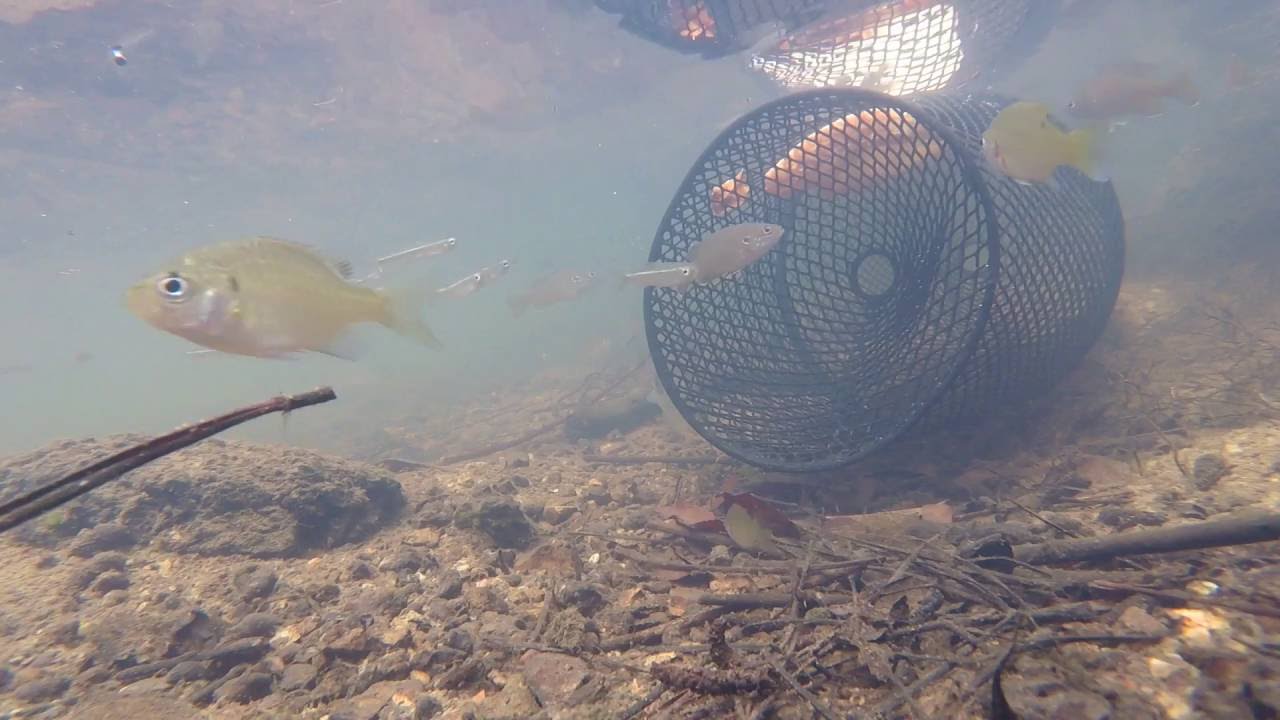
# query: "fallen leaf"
{"type": "Point", "coordinates": [692, 516]}
{"type": "Point", "coordinates": [747, 532]}
{"type": "Point", "coordinates": [681, 598]}
{"type": "Point", "coordinates": [762, 511]}
{"type": "Point", "coordinates": [928, 518]}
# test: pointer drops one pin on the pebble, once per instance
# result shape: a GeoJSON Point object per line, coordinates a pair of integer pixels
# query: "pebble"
{"type": "Point", "coordinates": [66, 632]}
{"type": "Point", "coordinates": [450, 585]}
{"type": "Point", "coordinates": [559, 513]}
{"type": "Point", "coordinates": [245, 688]}
{"type": "Point", "coordinates": [584, 596]}
{"type": "Point", "coordinates": [423, 537]}
{"type": "Point", "coordinates": [108, 581]}
{"type": "Point", "coordinates": [298, 676]}
{"type": "Point", "coordinates": [360, 570]}
{"type": "Point", "coordinates": [1208, 470]}
{"type": "Point", "coordinates": [142, 687]}
{"type": "Point", "coordinates": [42, 689]}
{"type": "Point", "coordinates": [254, 581]}
{"type": "Point", "coordinates": [500, 519]}
{"type": "Point", "coordinates": [255, 625]}
{"type": "Point", "coordinates": [108, 536]}
{"type": "Point", "coordinates": [190, 671]}
{"type": "Point", "coordinates": [553, 677]}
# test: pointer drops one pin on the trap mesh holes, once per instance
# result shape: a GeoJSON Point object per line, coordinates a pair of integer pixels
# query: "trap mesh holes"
{"type": "Point", "coordinates": [912, 284]}
{"type": "Point", "coordinates": [898, 47]}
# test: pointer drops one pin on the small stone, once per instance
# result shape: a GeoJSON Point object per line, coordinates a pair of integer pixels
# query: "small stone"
{"type": "Point", "coordinates": [520, 462]}
{"type": "Point", "coordinates": [513, 702]}
{"type": "Point", "coordinates": [255, 625]}
{"type": "Point", "coordinates": [298, 676]}
{"type": "Point", "coordinates": [148, 685]}
{"type": "Point", "coordinates": [239, 652]}
{"type": "Point", "coordinates": [500, 519]}
{"type": "Point", "coordinates": [6, 678]}
{"type": "Point", "coordinates": [245, 689]}
{"type": "Point", "coordinates": [103, 562]}
{"type": "Point", "coordinates": [1140, 621]}
{"type": "Point", "coordinates": [115, 597]}
{"type": "Point", "coordinates": [190, 671]}
{"type": "Point", "coordinates": [450, 585]}
{"type": "Point", "coordinates": [426, 707]}
{"type": "Point", "coordinates": [552, 677]}
{"type": "Point", "coordinates": [1208, 470]}
{"type": "Point", "coordinates": [360, 570]}
{"type": "Point", "coordinates": [558, 513]}
{"type": "Point", "coordinates": [108, 536]}
{"type": "Point", "coordinates": [406, 561]}
{"type": "Point", "coordinates": [109, 581]}
{"type": "Point", "coordinates": [254, 581]}
{"type": "Point", "coordinates": [42, 689]}
{"type": "Point", "coordinates": [584, 596]}
{"type": "Point", "coordinates": [66, 632]}
{"type": "Point", "coordinates": [423, 537]}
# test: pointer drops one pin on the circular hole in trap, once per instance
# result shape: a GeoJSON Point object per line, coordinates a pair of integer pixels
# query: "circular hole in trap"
{"type": "Point", "coordinates": [875, 274]}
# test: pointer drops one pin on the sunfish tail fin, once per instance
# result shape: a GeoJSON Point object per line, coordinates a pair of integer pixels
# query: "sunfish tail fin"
{"type": "Point", "coordinates": [404, 315]}
{"type": "Point", "coordinates": [1088, 153]}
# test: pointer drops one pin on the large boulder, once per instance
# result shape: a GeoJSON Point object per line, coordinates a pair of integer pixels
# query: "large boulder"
{"type": "Point", "coordinates": [217, 497]}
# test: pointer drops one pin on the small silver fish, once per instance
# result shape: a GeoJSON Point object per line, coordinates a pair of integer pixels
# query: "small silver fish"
{"type": "Point", "coordinates": [670, 275]}
{"type": "Point", "coordinates": [431, 249]}
{"type": "Point", "coordinates": [730, 249]}
{"type": "Point", "coordinates": [493, 272]}
{"type": "Point", "coordinates": [463, 287]}
{"type": "Point", "coordinates": [483, 277]}
{"type": "Point", "coordinates": [561, 286]}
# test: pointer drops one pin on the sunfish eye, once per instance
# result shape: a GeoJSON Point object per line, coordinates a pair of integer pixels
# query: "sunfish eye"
{"type": "Point", "coordinates": [173, 287]}
{"type": "Point", "coordinates": [685, 271]}
{"type": "Point", "coordinates": [768, 230]}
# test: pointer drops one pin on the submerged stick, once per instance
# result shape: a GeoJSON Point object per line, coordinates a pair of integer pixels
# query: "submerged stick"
{"type": "Point", "coordinates": [1236, 529]}
{"type": "Point", "coordinates": [47, 497]}
{"type": "Point", "coordinates": [645, 459]}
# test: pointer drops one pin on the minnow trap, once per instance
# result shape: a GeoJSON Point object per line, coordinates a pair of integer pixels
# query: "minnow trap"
{"type": "Point", "coordinates": [914, 286]}
{"type": "Point", "coordinates": [894, 46]}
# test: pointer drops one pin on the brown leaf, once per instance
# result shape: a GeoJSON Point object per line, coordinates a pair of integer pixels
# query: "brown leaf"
{"type": "Point", "coordinates": [692, 516]}
{"type": "Point", "coordinates": [681, 598]}
{"type": "Point", "coordinates": [762, 511]}
{"type": "Point", "coordinates": [747, 532]}
{"type": "Point", "coordinates": [927, 518]}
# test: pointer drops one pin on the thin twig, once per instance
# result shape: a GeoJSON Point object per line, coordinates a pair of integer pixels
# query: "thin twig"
{"type": "Point", "coordinates": [48, 497]}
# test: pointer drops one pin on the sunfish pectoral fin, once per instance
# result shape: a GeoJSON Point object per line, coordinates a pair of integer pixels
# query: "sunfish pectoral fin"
{"type": "Point", "coordinates": [404, 315]}
{"type": "Point", "coordinates": [1087, 143]}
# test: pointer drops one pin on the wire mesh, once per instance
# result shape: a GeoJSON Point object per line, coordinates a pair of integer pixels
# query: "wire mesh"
{"type": "Point", "coordinates": [898, 47]}
{"type": "Point", "coordinates": [890, 300]}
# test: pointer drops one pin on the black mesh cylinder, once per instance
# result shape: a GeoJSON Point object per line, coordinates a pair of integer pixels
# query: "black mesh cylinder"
{"type": "Point", "coordinates": [913, 285]}
{"type": "Point", "coordinates": [893, 46]}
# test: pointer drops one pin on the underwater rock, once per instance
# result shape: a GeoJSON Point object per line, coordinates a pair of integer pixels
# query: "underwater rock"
{"type": "Point", "coordinates": [109, 536]}
{"type": "Point", "coordinates": [602, 418]}
{"type": "Point", "coordinates": [298, 676]}
{"type": "Point", "coordinates": [255, 625]}
{"type": "Point", "coordinates": [553, 677]}
{"type": "Point", "coordinates": [500, 519]}
{"type": "Point", "coordinates": [214, 498]}
{"type": "Point", "coordinates": [42, 689]}
{"type": "Point", "coordinates": [1208, 470]}
{"type": "Point", "coordinates": [254, 581]}
{"type": "Point", "coordinates": [109, 581]}
{"type": "Point", "coordinates": [246, 688]}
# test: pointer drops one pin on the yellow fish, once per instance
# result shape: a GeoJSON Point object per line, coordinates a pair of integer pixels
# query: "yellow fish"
{"type": "Point", "coordinates": [267, 297]}
{"type": "Point", "coordinates": [1024, 144]}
